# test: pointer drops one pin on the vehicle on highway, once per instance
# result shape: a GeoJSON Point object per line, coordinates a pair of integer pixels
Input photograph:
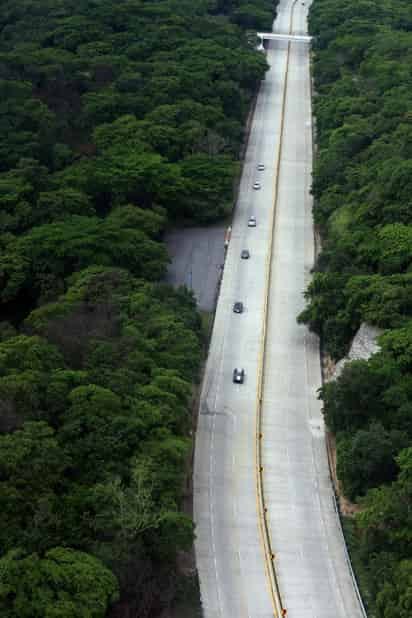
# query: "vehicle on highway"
{"type": "Point", "coordinates": [252, 221]}
{"type": "Point", "coordinates": [238, 307]}
{"type": "Point", "coordinates": [256, 185]}
{"type": "Point", "coordinates": [245, 255]}
{"type": "Point", "coordinates": [261, 167]}
{"type": "Point", "coordinates": [238, 376]}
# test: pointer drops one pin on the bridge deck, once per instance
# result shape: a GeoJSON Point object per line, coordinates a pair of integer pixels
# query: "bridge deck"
{"type": "Point", "coordinates": [284, 37]}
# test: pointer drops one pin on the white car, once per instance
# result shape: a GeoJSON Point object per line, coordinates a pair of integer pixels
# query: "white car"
{"type": "Point", "coordinates": [256, 185]}
{"type": "Point", "coordinates": [261, 167]}
{"type": "Point", "coordinates": [252, 221]}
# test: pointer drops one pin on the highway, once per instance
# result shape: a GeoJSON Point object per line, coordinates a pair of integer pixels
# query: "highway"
{"type": "Point", "coordinates": [308, 573]}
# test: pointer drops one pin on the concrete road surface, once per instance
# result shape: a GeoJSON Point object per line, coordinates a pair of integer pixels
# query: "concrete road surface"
{"type": "Point", "coordinates": [197, 259]}
{"type": "Point", "coordinates": [310, 559]}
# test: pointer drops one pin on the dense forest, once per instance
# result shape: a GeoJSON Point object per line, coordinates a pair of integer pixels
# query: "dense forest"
{"type": "Point", "coordinates": [362, 187]}
{"type": "Point", "coordinates": [116, 119]}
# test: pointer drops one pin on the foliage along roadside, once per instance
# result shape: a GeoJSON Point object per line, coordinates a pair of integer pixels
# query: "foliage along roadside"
{"type": "Point", "coordinates": [362, 186]}
{"type": "Point", "coordinates": [95, 417]}
{"type": "Point", "coordinates": [106, 103]}
{"type": "Point", "coordinates": [115, 119]}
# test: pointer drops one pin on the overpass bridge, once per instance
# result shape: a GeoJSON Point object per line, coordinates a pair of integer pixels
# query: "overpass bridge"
{"type": "Point", "coordinates": [293, 38]}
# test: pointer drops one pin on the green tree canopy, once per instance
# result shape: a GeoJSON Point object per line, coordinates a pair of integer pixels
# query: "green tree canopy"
{"type": "Point", "coordinates": [117, 120]}
{"type": "Point", "coordinates": [63, 584]}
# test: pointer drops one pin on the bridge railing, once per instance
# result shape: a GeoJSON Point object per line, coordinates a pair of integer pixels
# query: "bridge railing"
{"type": "Point", "coordinates": [299, 38]}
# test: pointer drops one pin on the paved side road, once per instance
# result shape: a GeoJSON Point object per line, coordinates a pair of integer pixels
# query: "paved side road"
{"type": "Point", "coordinates": [197, 258]}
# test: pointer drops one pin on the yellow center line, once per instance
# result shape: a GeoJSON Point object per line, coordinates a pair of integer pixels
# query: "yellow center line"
{"type": "Point", "coordinates": [278, 610]}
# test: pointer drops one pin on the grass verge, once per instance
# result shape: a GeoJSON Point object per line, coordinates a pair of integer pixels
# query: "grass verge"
{"type": "Point", "coordinates": [206, 318]}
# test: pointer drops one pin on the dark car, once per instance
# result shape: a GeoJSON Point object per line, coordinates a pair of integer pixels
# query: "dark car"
{"type": "Point", "coordinates": [245, 255]}
{"type": "Point", "coordinates": [238, 376]}
{"type": "Point", "coordinates": [238, 307]}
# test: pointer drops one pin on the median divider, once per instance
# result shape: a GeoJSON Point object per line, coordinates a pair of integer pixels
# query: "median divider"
{"type": "Point", "coordinates": [269, 552]}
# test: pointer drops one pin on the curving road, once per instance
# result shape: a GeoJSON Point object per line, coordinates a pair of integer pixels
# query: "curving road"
{"type": "Point", "coordinates": [310, 563]}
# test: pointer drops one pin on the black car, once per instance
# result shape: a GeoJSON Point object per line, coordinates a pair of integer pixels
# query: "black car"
{"type": "Point", "coordinates": [238, 376]}
{"type": "Point", "coordinates": [238, 307]}
{"type": "Point", "coordinates": [245, 255]}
